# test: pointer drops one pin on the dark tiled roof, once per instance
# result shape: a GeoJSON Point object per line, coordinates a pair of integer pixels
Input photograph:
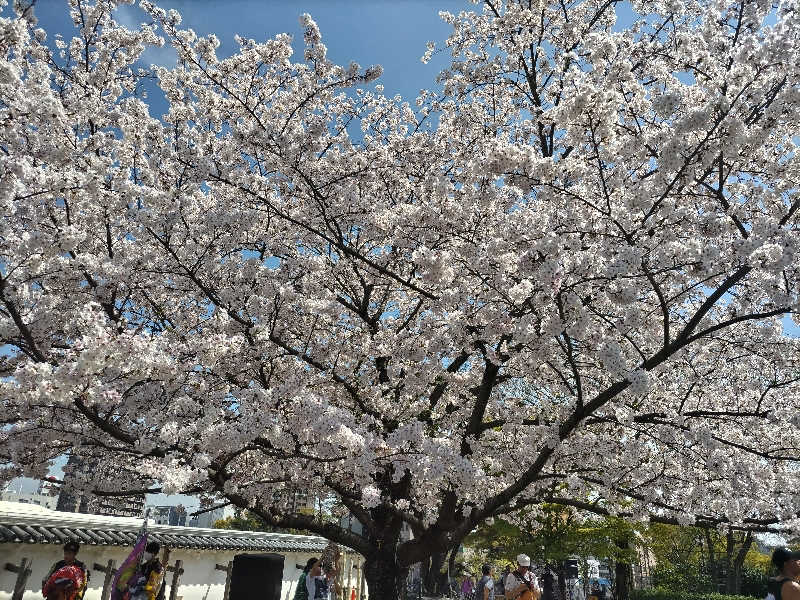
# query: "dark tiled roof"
{"type": "Point", "coordinates": [23, 523]}
{"type": "Point", "coordinates": [224, 540]}
{"type": "Point", "coordinates": [43, 534]}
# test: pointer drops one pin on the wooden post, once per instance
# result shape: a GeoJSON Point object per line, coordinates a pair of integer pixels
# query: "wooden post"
{"type": "Point", "coordinates": [162, 586]}
{"type": "Point", "coordinates": [357, 589]}
{"type": "Point", "coordinates": [340, 583]}
{"type": "Point", "coordinates": [228, 572]}
{"type": "Point", "coordinates": [23, 571]}
{"type": "Point", "coordinates": [339, 579]}
{"type": "Point", "coordinates": [349, 585]}
{"type": "Point", "coordinates": [109, 569]}
{"type": "Point", "coordinates": [178, 571]}
{"type": "Point", "coordinates": [361, 591]}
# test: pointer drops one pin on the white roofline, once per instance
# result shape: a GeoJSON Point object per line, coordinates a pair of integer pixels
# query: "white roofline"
{"type": "Point", "coordinates": [18, 513]}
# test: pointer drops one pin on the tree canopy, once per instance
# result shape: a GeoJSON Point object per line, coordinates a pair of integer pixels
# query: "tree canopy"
{"type": "Point", "coordinates": [562, 276]}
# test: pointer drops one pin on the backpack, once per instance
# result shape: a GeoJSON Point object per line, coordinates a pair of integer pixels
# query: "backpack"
{"type": "Point", "coordinates": [477, 593]}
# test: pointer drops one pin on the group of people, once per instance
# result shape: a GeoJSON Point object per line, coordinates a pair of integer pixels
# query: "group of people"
{"type": "Point", "coordinates": [68, 578]}
{"type": "Point", "coordinates": [522, 584]}
{"type": "Point", "coordinates": [519, 584]}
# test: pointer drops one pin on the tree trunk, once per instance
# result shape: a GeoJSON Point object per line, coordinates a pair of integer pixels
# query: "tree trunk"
{"type": "Point", "coordinates": [713, 571]}
{"type": "Point", "coordinates": [431, 576]}
{"type": "Point", "coordinates": [451, 563]}
{"type": "Point", "coordinates": [622, 580]}
{"type": "Point", "coordinates": [733, 582]}
{"type": "Point", "coordinates": [562, 581]}
{"type": "Point", "coordinates": [424, 575]}
{"type": "Point", "coordinates": [730, 544]}
{"type": "Point", "coordinates": [623, 572]}
{"type": "Point", "coordinates": [385, 579]}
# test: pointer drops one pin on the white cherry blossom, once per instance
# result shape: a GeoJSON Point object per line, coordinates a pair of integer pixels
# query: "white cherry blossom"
{"type": "Point", "coordinates": [563, 277]}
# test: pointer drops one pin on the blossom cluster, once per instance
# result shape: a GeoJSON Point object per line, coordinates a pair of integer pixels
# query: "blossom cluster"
{"type": "Point", "coordinates": [576, 273]}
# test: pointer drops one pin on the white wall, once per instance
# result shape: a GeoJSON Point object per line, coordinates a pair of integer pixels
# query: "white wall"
{"type": "Point", "coordinates": [200, 580]}
{"type": "Point", "coordinates": [43, 557]}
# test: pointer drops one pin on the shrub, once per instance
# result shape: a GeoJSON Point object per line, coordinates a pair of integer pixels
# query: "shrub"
{"type": "Point", "coordinates": [666, 594]}
{"type": "Point", "coordinates": [681, 578]}
{"type": "Point", "coordinates": [754, 582]}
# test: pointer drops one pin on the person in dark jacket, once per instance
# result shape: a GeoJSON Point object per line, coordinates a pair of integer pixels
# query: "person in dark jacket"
{"type": "Point", "coordinates": [484, 590]}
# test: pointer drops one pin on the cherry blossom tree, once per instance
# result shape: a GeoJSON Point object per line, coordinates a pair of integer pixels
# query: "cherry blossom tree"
{"type": "Point", "coordinates": [562, 278]}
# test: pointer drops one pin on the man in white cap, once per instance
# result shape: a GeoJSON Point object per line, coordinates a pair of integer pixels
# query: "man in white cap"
{"type": "Point", "coordinates": [522, 583]}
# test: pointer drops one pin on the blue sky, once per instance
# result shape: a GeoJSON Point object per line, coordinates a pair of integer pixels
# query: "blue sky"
{"type": "Point", "coordinates": [392, 33]}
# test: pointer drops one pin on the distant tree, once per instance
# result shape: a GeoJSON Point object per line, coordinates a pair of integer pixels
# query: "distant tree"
{"type": "Point", "coordinates": [689, 559]}
{"type": "Point", "coordinates": [245, 521]}
{"type": "Point", "coordinates": [678, 557]}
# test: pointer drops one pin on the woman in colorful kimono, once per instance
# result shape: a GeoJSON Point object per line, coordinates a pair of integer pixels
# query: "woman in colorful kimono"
{"type": "Point", "coordinates": [71, 574]}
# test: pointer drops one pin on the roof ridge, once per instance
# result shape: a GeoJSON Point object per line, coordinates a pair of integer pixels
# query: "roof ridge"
{"type": "Point", "coordinates": [22, 523]}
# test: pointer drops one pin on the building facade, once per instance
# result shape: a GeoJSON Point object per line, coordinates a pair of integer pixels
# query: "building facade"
{"type": "Point", "coordinates": [207, 519]}
{"type": "Point", "coordinates": [36, 498]}
{"type": "Point", "coordinates": [168, 515]}
{"type": "Point", "coordinates": [70, 501]}
{"type": "Point", "coordinates": [37, 534]}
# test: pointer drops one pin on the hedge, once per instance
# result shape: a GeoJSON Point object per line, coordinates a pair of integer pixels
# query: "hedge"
{"type": "Point", "coordinates": [664, 594]}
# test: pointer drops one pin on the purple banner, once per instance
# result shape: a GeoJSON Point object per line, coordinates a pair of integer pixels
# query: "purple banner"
{"type": "Point", "coordinates": [127, 569]}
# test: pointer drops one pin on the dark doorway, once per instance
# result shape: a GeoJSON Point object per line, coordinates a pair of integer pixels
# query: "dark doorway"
{"type": "Point", "coordinates": [257, 577]}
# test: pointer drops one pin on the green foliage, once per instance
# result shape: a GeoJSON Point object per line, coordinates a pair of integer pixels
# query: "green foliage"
{"type": "Point", "coordinates": [245, 521]}
{"type": "Point", "coordinates": [674, 543]}
{"type": "Point", "coordinates": [678, 558]}
{"type": "Point", "coordinates": [754, 581]}
{"type": "Point", "coordinates": [554, 533]}
{"type": "Point", "coordinates": [682, 562]}
{"type": "Point", "coordinates": [500, 540]}
{"type": "Point", "coordinates": [681, 578]}
{"type": "Point", "coordinates": [473, 562]}
{"type": "Point", "coordinates": [755, 573]}
{"type": "Point", "coordinates": [758, 561]}
{"type": "Point", "coordinates": [665, 594]}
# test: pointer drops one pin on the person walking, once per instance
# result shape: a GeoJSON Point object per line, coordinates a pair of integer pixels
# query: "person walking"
{"type": "Point", "coordinates": [500, 584]}
{"type": "Point", "coordinates": [301, 591]}
{"type": "Point", "coordinates": [467, 586]}
{"type": "Point", "coordinates": [785, 585]}
{"type": "Point", "coordinates": [77, 573]}
{"type": "Point", "coordinates": [521, 583]}
{"type": "Point", "coordinates": [318, 583]}
{"type": "Point", "coordinates": [484, 590]}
